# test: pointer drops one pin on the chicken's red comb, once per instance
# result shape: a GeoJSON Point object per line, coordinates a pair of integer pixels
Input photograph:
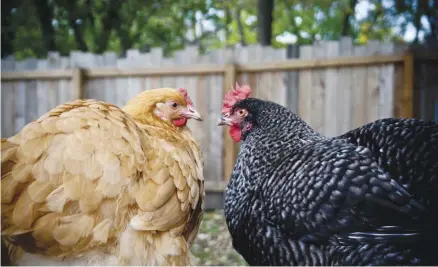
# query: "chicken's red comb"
{"type": "Point", "coordinates": [236, 94]}
{"type": "Point", "coordinates": [186, 96]}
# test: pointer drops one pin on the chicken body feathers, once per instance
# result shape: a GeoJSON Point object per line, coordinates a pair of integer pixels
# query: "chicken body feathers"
{"type": "Point", "coordinates": [298, 198]}
{"type": "Point", "coordinates": [407, 150]}
{"type": "Point", "coordinates": [86, 176]}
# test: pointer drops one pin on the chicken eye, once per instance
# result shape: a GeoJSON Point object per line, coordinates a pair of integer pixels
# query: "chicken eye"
{"type": "Point", "coordinates": [174, 104]}
{"type": "Point", "coordinates": [241, 112]}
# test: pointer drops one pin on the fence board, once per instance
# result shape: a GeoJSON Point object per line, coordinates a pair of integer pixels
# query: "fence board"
{"type": "Point", "coordinates": [43, 105]}
{"type": "Point", "coordinates": [51, 85]}
{"type": "Point", "coordinates": [8, 100]}
{"type": "Point", "coordinates": [121, 84]}
{"type": "Point", "coordinates": [215, 160]}
{"type": "Point", "coordinates": [318, 89]}
{"type": "Point", "coordinates": [156, 55]}
{"type": "Point", "coordinates": [20, 98]}
{"type": "Point", "coordinates": [241, 57]}
{"type": "Point", "coordinates": [110, 90]}
{"type": "Point", "coordinates": [65, 91]}
{"type": "Point", "coordinates": [331, 93]}
{"type": "Point", "coordinates": [360, 90]}
{"type": "Point", "coordinates": [31, 93]}
{"type": "Point", "coordinates": [265, 88]}
{"type": "Point", "coordinates": [373, 85]}
{"type": "Point", "coordinates": [278, 82]}
{"type": "Point", "coordinates": [345, 89]}
{"type": "Point", "coordinates": [305, 86]}
{"type": "Point", "coordinates": [292, 84]}
{"type": "Point", "coordinates": [386, 84]}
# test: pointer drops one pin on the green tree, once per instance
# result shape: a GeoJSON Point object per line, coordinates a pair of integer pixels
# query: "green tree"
{"type": "Point", "coordinates": [31, 28]}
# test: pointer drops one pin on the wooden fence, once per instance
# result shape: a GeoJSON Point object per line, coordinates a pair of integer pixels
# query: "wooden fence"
{"type": "Point", "coordinates": [333, 85]}
{"type": "Point", "coordinates": [425, 94]}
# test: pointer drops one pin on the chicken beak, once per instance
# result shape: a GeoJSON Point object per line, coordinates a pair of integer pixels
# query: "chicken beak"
{"type": "Point", "coordinates": [192, 113]}
{"type": "Point", "coordinates": [224, 120]}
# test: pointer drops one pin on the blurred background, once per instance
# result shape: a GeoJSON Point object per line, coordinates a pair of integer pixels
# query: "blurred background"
{"type": "Point", "coordinates": [31, 28]}
{"type": "Point", "coordinates": [338, 64]}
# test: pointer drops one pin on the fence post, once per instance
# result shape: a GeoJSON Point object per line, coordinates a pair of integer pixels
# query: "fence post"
{"type": "Point", "coordinates": [229, 146]}
{"type": "Point", "coordinates": [408, 86]}
{"type": "Point", "coordinates": [77, 83]}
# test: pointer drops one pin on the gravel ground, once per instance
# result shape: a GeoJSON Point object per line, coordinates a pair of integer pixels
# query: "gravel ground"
{"type": "Point", "coordinates": [213, 243]}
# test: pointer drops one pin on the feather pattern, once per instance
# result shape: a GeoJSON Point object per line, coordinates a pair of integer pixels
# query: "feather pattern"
{"type": "Point", "coordinates": [297, 197]}
{"type": "Point", "coordinates": [88, 175]}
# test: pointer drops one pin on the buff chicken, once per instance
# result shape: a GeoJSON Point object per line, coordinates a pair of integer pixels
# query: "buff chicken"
{"type": "Point", "coordinates": [90, 183]}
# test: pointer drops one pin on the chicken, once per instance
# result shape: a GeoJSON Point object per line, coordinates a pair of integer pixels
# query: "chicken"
{"type": "Point", "coordinates": [296, 197]}
{"type": "Point", "coordinates": [89, 183]}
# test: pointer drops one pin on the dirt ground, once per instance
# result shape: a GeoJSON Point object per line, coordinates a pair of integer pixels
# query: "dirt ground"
{"type": "Point", "coordinates": [213, 243]}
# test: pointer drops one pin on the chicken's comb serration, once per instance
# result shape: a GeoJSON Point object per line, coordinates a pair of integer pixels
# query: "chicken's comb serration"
{"type": "Point", "coordinates": [186, 96]}
{"type": "Point", "coordinates": [236, 94]}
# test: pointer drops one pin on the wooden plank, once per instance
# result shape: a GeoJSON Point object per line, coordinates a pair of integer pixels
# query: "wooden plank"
{"type": "Point", "coordinates": [206, 69]}
{"type": "Point", "coordinates": [386, 84]}
{"type": "Point", "coordinates": [216, 135]}
{"type": "Point", "coordinates": [31, 93]}
{"type": "Point", "coordinates": [214, 161]}
{"type": "Point", "coordinates": [230, 148]}
{"type": "Point", "coordinates": [427, 86]}
{"type": "Point", "coordinates": [146, 61]}
{"type": "Point", "coordinates": [331, 93]}
{"type": "Point", "coordinates": [134, 60]}
{"type": "Point", "coordinates": [78, 88]}
{"type": "Point", "coordinates": [94, 87]}
{"type": "Point", "coordinates": [203, 107]}
{"type": "Point", "coordinates": [77, 84]}
{"type": "Point", "coordinates": [278, 79]}
{"type": "Point", "coordinates": [263, 83]}
{"type": "Point", "coordinates": [20, 99]}
{"type": "Point", "coordinates": [52, 92]}
{"type": "Point", "coordinates": [191, 83]}
{"type": "Point", "coordinates": [121, 84]}
{"type": "Point", "coordinates": [346, 86]}
{"type": "Point", "coordinates": [8, 100]}
{"type": "Point", "coordinates": [242, 55]}
{"type": "Point", "coordinates": [318, 89]}
{"type": "Point", "coordinates": [408, 73]}
{"type": "Point", "coordinates": [65, 92]}
{"type": "Point", "coordinates": [43, 105]}
{"type": "Point", "coordinates": [398, 90]}
{"type": "Point", "coordinates": [91, 88]}
{"type": "Point", "coordinates": [359, 92]}
{"type": "Point", "coordinates": [168, 71]}
{"type": "Point", "coordinates": [320, 63]}
{"type": "Point", "coordinates": [253, 57]}
{"type": "Point", "coordinates": [109, 61]}
{"type": "Point", "coordinates": [373, 86]}
{"type": "Point", "coordinates": [170, 81]}
{"type": "Point", "coordinates": [36, 75]}
{"type": "Point", "coordinates": [292, 81]}
{"type": "Point", "coordinates": [304, 84]}
{"type": "Point", "coordinates": [156, 58]}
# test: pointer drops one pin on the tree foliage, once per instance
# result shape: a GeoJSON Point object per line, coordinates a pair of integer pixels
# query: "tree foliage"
{"type": "Point", "coordinates": [31, 28]}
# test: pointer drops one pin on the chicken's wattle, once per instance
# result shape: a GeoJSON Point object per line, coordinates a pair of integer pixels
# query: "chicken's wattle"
{"type": "Point", "coordinates": [235, 133]}
{"type": "Point", "coordinates": [180, 122]}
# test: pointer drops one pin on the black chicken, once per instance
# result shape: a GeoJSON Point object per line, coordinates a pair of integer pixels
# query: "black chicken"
{"type": "Point", "coordinates": [298, 198]}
